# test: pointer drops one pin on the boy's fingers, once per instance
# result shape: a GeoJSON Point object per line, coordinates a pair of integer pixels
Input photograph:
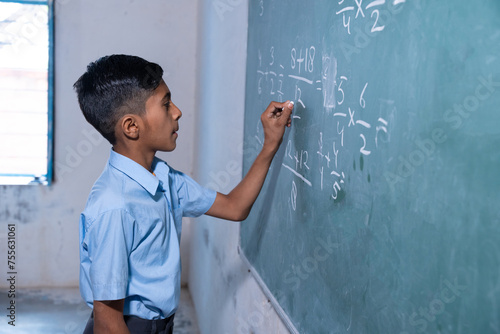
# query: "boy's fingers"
{"type": "Point", "coordinates": [273, 109]}
{"type": "Point", "coordinates": [287, 112]}
{"type": "Point", "coordinates": [278, 107]}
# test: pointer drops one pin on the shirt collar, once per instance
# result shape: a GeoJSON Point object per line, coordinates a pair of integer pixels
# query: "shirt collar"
{"type": "Point", "coordinates": [160, 168]}
{"type": "Point", "coordinates": [135, 171]}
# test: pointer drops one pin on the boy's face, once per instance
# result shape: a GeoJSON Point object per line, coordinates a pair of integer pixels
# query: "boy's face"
{"type": "Point", "coordinates": [161, 120]}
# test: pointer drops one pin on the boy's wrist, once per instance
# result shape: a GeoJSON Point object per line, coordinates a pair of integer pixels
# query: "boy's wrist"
{"type": "Point", "coordinates": [269, 150]}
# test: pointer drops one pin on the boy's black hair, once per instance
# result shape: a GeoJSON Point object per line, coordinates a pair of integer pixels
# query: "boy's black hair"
{"type": "Point", "coordinates": [114, 86]}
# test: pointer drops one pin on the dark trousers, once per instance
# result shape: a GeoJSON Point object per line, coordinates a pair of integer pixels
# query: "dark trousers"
{"type": "Point", "coordinates": [138, 325]}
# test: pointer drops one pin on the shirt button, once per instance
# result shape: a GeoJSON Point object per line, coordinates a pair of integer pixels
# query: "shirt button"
{"type": "Point", "coordinates": [161, 186]}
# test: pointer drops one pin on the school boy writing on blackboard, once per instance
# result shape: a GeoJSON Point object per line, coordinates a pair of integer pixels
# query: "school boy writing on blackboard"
{"type": "Point", "coordinates": [130, 228]}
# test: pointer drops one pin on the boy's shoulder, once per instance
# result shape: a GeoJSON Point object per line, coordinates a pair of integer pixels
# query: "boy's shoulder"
{"type": "Point", "coordinates": [107, 194]}
{"type": "Point", "coordinates": [123, 182]}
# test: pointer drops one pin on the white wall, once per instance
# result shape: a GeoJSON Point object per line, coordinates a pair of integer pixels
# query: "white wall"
{"type": "Point", "coordinates": [226, 296]}
{"type": "Point", "coordinates": [47, 217]}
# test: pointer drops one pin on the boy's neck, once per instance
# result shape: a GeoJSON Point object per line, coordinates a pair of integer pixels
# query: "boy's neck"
{"type": "Point", "coordinates": [143, 158]}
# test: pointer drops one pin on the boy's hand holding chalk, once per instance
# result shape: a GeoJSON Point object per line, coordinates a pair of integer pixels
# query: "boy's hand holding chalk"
{"type": "Point", "coordinates": [275, 119]}
{"type": "Point", "coordinates": [237, 204]}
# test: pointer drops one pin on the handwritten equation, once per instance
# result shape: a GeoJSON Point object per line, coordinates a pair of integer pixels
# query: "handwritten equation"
{"type": "Point", "coordinates": [343, 102]}
{"type": "Point", "coordinates": [354, 10]}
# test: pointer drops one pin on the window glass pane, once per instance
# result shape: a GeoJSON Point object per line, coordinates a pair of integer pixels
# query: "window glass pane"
{"type": "Point", "coordinates": [24, 92]}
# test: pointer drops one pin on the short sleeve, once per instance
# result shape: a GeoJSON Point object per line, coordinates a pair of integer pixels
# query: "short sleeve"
{"type": "Point", "coordinates": [108, 242]}
{"type": "Point", "coordinates": [194, 199]}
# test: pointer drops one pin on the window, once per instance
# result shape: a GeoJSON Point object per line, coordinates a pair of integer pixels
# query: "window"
{"type": "Point", "coordinates": [26, 91]}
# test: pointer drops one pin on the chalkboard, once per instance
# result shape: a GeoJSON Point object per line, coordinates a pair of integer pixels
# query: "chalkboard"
{"type": "Point", "coordinates": [380, 213]}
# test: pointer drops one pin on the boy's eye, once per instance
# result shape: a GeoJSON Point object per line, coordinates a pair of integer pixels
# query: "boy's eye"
{"type": "Point", "coordinates": [167, 105]}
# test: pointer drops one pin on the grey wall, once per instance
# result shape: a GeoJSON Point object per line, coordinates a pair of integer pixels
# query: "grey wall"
{"type": "Point", "coordinates": [226, 296]}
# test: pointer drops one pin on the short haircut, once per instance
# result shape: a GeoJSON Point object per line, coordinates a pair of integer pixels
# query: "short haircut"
{"type": "Point", "coordinates": [114, 86]}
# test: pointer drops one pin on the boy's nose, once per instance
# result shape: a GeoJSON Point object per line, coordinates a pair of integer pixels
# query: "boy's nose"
{"type": "Point", "coordinates": [178, 113]}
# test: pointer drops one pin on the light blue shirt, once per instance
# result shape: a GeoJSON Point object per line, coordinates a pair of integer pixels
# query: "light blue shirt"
{"type": "Point", "coordinates": [130, 232]}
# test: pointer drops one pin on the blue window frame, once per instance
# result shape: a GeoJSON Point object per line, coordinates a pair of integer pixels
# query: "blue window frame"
{"type": "Point", "coordinates": [26, 91]}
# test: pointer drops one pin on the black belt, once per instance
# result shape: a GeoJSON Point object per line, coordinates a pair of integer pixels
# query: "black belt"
{"type": "Point", "coordinates": [136, 323]}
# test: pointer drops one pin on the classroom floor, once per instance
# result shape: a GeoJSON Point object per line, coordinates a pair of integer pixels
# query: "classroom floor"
{"type": "Point", "coordinates": [62, 311]}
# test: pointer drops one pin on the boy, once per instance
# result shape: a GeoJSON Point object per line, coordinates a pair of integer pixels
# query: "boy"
{"type": "Point", "coordinates": [130, 228]}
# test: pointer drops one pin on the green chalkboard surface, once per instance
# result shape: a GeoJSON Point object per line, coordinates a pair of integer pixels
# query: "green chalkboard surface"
{"type": "Point", "coordinates": [380, 213]}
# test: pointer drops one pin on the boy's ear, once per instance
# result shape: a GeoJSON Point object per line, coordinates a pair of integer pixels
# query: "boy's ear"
{"type": "Point", "coordinates": [129, 126]}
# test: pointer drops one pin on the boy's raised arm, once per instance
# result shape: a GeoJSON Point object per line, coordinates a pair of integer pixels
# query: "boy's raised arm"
{"type": "Point", "coordinates": [237, 204]}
